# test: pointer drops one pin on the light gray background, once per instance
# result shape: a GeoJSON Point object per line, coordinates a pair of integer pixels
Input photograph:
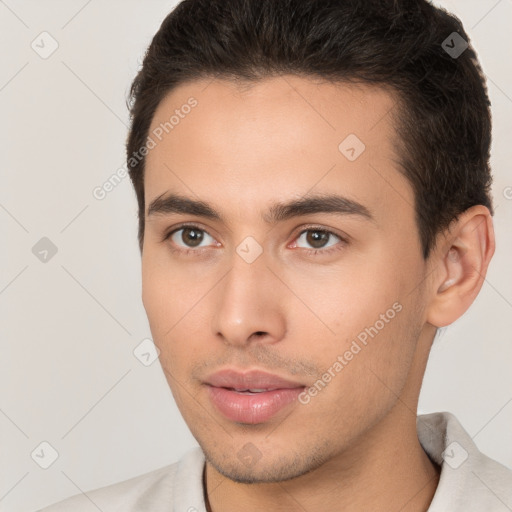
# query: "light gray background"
{"type": "Point", "coordinates": [68, 375]}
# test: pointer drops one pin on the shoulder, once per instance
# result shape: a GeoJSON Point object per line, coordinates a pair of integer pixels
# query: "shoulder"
{"type": "Point", "coordinates": [470, 480]}
{"type": "Point", "coordinates": [155, 490]}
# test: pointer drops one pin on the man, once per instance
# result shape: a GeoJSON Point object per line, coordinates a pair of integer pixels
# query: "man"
{"type": "Point", "coordinates": [313, 188]}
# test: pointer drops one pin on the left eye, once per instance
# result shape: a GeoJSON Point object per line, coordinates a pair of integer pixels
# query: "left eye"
{"type": "Point", "coordinates": [190, 237]}
{"type": "Point", "coordinates": [318, 238]}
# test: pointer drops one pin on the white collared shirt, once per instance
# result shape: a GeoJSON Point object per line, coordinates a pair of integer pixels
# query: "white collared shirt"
{"type": "Point", "coordinates": [469, 481]}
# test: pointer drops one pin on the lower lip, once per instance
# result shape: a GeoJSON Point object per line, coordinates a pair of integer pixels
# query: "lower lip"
{"type": "Point", "coordinates": [252, 409]}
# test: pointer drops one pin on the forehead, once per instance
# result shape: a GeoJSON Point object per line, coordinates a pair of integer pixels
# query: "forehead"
{"type": "Point", "coordinates": [279, 137]}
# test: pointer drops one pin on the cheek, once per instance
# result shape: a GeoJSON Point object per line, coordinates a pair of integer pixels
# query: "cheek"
{"type": "Point", "coordinates": [169, 292]}
{"type": "Point", "coordinates": [344, 300]}
{"type": "Point", "coordinates": [365, 369]}
{"type": "Point", "coordinates": [156, 296]}
{"type": "Point", "coordinates": [364, 315]}
{"type": "Point", "coordinates": [174, 301]}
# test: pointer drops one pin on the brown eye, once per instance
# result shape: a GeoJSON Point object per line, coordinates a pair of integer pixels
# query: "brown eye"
{"type": "Point", "coordinates": [318, 238]}
{"type": "Point", "coordinates": [190, 237]}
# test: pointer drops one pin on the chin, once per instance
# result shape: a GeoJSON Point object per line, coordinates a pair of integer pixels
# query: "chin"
{"type": "Point", "coordinates": [263, 469]}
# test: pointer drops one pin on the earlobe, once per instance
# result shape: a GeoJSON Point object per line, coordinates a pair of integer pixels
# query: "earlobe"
{"type": "Point", "coordinates": [461, 264]}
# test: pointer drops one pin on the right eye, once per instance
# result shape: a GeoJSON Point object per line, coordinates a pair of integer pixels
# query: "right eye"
{"type": "Point", "coordinates": [189, 237]}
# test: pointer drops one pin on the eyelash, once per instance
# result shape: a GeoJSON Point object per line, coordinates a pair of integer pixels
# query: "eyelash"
{"type": "Point", "coordinates": [314, 252]}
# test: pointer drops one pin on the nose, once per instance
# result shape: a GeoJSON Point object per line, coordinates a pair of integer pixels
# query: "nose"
{"type": "Point", "coordinates": [248, 307]}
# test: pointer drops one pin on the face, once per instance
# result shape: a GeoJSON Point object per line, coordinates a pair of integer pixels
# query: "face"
{"type": "Point", "coordinates": [288, 262]}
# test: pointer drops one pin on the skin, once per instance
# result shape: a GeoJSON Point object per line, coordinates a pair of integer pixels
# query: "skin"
{"type": "Point", "coordinates": [354, 446]}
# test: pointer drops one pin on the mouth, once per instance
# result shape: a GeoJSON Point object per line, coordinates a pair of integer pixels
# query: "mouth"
{"type": "Point", "coordinates": [250, 391]}
{"type": "Point", "coordinates": [251, 397]}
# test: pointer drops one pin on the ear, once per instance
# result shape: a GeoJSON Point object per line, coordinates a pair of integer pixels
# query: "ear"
{"type": "Point", "coordinates": [459, 264]}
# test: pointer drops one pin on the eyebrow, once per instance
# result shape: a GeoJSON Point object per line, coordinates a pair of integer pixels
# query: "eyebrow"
{"type": "Point", "coordinates": [278, 212]}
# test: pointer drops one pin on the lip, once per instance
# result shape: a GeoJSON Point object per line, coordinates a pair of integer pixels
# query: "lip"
{"type": "Point", "coordinates": [252, 408]}
{"type": "Point", "coordinates": [254, 379]}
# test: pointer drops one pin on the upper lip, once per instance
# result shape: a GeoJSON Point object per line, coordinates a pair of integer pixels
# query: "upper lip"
{"type": "Point", "coordinates": [254, 379]}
